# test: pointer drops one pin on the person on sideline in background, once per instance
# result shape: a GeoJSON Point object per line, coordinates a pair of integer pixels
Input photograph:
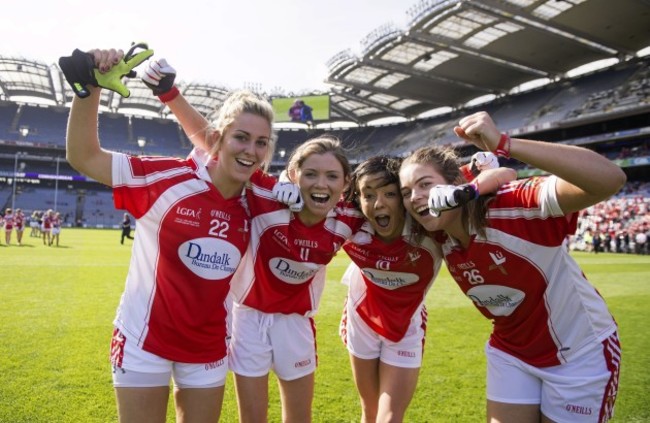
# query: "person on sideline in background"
{"type": "Point", "coordinates": [34, 225]}
{"type": "Point", "coordinates": [172, 318]}
{"type": "Point", "coordinates": [277, 291]}
{"type": "Point", "coordinates": [9, 224]}
{"type": "Point", "coordinates": [384, 319]}
{"type": "Point", "coordinates": [126, 228]}
{"type": "Point", "coordinates": [19, 223]}
{"type": "Point", "coordinates": [56, 229]}
{"type": "Point", "coordinates": [554, 353]}
{"type": "Point", "coordinates": [46, 226]}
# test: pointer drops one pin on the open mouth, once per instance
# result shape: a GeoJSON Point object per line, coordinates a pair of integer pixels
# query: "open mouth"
{"type": "Point", "coordinates": [247, 163]}
{"type": "Point", "coordinates": [320, 198]}
{"type": "Point", "coordinates": [382, 221]}
{"type": "Point", "coordinates": [422, 210]}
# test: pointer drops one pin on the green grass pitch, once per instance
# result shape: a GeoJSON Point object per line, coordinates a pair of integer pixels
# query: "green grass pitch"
{"type": "Point", "coordinates": [57, 306]}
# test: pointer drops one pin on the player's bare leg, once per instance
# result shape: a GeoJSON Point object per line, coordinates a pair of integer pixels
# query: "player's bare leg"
{"type": "Point", "coordinates": [198, 405]}
{"type": "Point", "coordinates": [396, 388]}
{"type": "Point", "coordinates": [297, 396]}
{"type": "Point", "coordinates": [499, 412]}
{"type": "Point", "coordinates": [252, 398]}
{"type": "Point", "coordinates": [136, 405]}
{"type": "Point", "coordinates": [366, 377]}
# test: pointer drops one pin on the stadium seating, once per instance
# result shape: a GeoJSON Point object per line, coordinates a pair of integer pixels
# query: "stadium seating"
{"type": "Point", "coordinates": [606, 111]}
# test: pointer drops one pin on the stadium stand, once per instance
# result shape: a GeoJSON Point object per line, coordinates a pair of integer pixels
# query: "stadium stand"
{"type": "Point", "coordinates": [451, 53]}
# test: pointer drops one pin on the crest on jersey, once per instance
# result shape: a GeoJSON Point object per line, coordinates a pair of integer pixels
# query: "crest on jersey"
{"type": "Point", "coordinates": [499, 260]}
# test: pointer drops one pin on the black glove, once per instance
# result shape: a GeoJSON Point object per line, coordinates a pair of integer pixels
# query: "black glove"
{"type": "Point", "coordinates": [78, 70]}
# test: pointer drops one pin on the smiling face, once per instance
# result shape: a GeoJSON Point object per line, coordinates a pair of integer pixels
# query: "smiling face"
{"type": "Point", "coordinates": [241, 151]}
{"type": "Point", "coordinates": [321, 179]}
{"type": "Point", "coordinates": [416, 180]}
{"type": "Point", "coordinates": [382, 206]}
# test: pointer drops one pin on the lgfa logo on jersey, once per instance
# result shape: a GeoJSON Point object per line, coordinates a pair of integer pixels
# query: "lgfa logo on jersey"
{"type": "Point", "coordinates": [209, 258]}
{"type": "Point", "coordinates": [188, 212]}
{"type": "Point", "coordinates": [292, 272]}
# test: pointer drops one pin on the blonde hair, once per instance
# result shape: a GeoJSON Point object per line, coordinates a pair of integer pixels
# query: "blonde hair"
{"type": "Point", "coordinates": [237, 103]}
{"type": "Point", "coordinates": [320, 145]}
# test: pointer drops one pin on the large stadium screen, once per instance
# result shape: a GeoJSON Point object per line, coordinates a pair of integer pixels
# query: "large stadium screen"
{"type": "Point", "coordinates": [308, 108]}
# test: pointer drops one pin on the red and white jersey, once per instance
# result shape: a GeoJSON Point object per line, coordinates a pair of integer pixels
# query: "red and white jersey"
{"type": "Point", "coordinates": [19, 221]}
{"type": "Point", "coordinates": [283, 270]}
{"type": "Point", "coordinates": [56, 222]}
{"type": "Point", "coordinates": [9, 221]}
{"type": "Point", "coordinates": [47, 222]}
{"type": "Point", "coordinates": [391, 279]}
{"type": "Point", "coordinates": [522, 277]}
{"type": "Point", "coordinates": [189, 244]}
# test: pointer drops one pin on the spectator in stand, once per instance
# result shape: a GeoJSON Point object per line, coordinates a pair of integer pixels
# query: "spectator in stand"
{"type": "Point", "coordinates": [554, 352]}
{"type": "Point", "coordinates": [126, 228]}
{"type": "Point", "coordinates": [9, 225]}
{"type": "Point", "coordinates": [19, 223]}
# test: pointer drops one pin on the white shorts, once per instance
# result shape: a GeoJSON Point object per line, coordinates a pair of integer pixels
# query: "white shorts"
{"type": "Point", "coordinates": [134, 367]}
{"type": "Point", "coordinates": [583, 390]}
{"type": "Point", "coordinates": [365, 343]}
{"type": "Point", "coordinates": [260, 342]}
{"type": "Point", "coordinates": [33, 224]}
{"type": "Point", "coordinates": [56, 231]}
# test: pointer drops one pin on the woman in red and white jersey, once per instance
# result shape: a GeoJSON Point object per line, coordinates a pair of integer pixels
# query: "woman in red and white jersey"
{"type": "Point", "coordinates": [554, 353]}
{"type": "Point", "coordinates": [384, 320]}
{"type": "Point", "coordinates": [278, 289]}
{"type": "Point", "coordinates": [19, 222]}
{"type": "Point", "coordinates": [56, 228]}
{"type": "Point", "coordinates": [193, 229]}
{"type": "Point", "coordinates": [46, 226]}
{"type": "Point", "coordinates": [9, 224]}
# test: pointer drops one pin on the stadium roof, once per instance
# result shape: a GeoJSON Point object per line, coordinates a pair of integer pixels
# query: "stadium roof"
{"type": "Point", "coordinates": [451, 52]}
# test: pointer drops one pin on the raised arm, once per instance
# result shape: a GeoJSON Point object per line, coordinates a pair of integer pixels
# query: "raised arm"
{"type": "Point", "coordinates": [83, 151]}
{"type": "Point", "coordinates": [584, 176]}
{"type": "Point", "coordinates": [488, 181]}
{"type": "Point", "coordinates": [159, 76]}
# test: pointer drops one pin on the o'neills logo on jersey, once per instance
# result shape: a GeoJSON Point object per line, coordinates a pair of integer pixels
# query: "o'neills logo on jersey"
{"type": "Point", "coordinates": [292, 272]}
{"type": "Point", "coordinates": [499, 300]}
{"type": "Point", "coordinates": [389, 280]}
{"type": "Point", "coordinates": [209, 258]}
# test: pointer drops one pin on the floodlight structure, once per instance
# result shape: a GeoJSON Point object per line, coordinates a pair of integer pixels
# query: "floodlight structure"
{"type": "Point", "coordinates": [142, 142]}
